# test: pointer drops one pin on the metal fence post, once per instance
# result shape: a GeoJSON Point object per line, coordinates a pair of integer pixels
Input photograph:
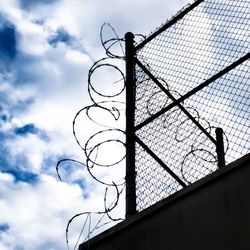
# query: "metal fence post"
{"type": "Point", "coordinates": [220, 147]}
{"type": "Point", "coordinates": [130, 131]}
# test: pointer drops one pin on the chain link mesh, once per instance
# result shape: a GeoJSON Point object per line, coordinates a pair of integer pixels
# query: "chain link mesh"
{"type": "Point", "coordinates": [206, 40]}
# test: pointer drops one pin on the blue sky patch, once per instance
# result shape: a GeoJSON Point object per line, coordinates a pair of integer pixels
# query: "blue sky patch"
{"type": "Point", "coordinates": [4, 153]}
{"type": "Point", "coordinates": [31, 129]}
{"type": "Point", "coordinates": [82, 184]}
{"type": "Point", "coordinates": [4, 227]}
{"type": "Point", "coordinates": [23, 176]}
{"type": "Point", "coordinates": [8, 41]}
{"type": "Point", "coordinates": [10, 165]}
{"type": "Point", "coordinates": [27, 129]}
{"type": "Point", "coordinates": [62, 36]}
{"type": "Point", "coordinates": [3, 156]}
{"type": "Point", "coordinates": [4, 116]}
{"type": "Point", "coordinates": [28, 4]}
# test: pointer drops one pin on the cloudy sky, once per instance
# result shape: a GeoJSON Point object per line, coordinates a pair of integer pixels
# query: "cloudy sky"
{"type": "Point", "coordinates": [46, 50]}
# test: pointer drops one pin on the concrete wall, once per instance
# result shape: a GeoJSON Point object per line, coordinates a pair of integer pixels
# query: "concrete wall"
{"type": "Point", "coordinates": [212, 214]}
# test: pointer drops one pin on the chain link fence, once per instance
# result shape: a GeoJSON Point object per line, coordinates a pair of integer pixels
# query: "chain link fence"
{"type": "Point", "coordinates": [192, 76]}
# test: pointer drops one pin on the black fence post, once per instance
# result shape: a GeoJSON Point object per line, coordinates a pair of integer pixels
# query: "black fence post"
{"type": "Point", "coordinates": [220, 147]}
{"type": "Point", "coordinates": [130, 130]}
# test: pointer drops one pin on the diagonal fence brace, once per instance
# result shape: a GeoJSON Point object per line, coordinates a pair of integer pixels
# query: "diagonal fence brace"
{"type": "Point", "coordinates": [158, 160]}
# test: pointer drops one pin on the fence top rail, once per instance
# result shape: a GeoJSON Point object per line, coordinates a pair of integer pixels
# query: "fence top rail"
{"type": "Point", "coordinates": [169, 23]}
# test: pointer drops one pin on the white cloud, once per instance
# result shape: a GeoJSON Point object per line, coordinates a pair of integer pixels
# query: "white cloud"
{"type": "Point", "coordinates": [32, 34]}
{"type": "Point", "coordinates": [78, 58]}
{"type": "Point", "coordinates": [38, 214]}
{"type": "Point", "coordinates": [55, 77]}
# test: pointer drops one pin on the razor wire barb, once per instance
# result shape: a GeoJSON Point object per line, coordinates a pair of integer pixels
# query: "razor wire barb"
{"type": "Point", "coordinates": [191, 81]}
{"type": "Point", "coordinates": [109, 104]}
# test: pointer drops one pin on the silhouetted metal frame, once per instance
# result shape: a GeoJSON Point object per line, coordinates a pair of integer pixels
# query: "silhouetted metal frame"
{"type": "Point", "coordinates": [130, 121]}
{"type": "Point", "coordinates": [219, 142]}
{"type": "Point", "coordinates": [131, 138]}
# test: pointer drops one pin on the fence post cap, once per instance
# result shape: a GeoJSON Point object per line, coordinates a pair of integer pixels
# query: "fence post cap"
{"type": "Point", "coordinates": [129, 35]}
